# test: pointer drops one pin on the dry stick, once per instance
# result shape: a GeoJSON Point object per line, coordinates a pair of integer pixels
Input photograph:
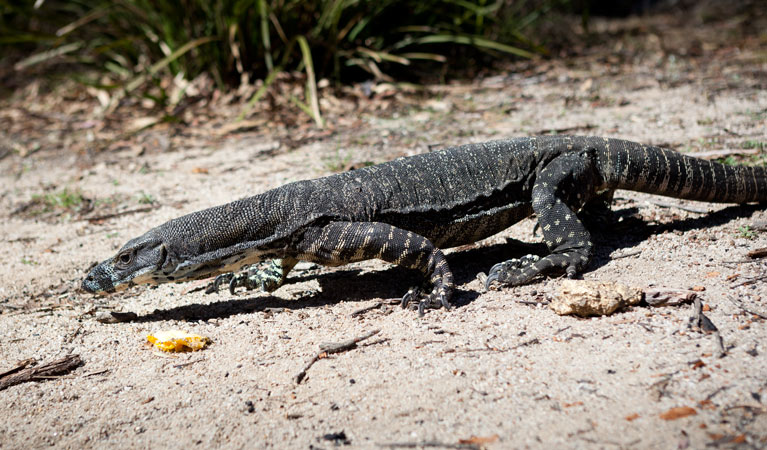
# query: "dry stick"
{"type": "Point", "coordinates": [626, 255]}
{"type": "Point", "coordinates": [327, 349]}
{"type": "Point", "coordinates": [691, 209]}
{"type": "Point", "coordinates": [188, 363]}
{"type": "Point", "coordinates": [433, 444]}
{"type": "Point", "coordinates": [587, 126]}
{"type": "Point", "coordinates": [19, 366]}
{"type": "Point", "coordinates": [749, 281]}
{"type": "Point", "coordinates": [362, 311]}
{"type": "Point", "coordinates": [118, 214]}
{"type": "Point", "coordinates": [757, 253]}
{"type": "Point", "coordinates": [737, 303]}
{"type": "Point", "coordinates": [55, 368]}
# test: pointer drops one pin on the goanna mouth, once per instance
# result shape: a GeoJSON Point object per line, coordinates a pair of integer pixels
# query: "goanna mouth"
{"type": "Point", "coordinates": [99, 280]}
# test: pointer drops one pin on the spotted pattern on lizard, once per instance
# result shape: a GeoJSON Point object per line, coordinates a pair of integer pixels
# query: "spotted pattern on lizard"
{"type": "Point", "coordinates": [405, 211]}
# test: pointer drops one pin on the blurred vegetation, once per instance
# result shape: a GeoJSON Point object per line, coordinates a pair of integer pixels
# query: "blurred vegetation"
{"type": "Point", "coordinates": [128, 43]}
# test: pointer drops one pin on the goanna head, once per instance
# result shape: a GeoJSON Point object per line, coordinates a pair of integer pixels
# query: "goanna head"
{"type": "Point", "coordinates": [140, 261]}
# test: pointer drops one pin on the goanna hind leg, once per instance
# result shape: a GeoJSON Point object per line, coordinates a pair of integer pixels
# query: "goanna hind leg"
{"type": "Point", "coordinates": [562, 187]}
{"type": "Point", "coordinates": [344, 242]}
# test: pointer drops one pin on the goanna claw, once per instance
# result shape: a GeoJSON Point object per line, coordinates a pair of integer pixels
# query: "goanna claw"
{"type": "Point", "coordinates": [217, 282]}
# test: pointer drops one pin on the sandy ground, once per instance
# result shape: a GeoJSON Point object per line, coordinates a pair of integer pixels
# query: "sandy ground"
{"type": "Point", "coordinates": [498, 370]}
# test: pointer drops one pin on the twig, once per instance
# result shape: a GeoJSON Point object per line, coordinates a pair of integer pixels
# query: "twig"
{"type": "Point", "coordinates": [691, 209]}
{"type": "Point", "coordinates": [96, 373]}
{"type": "Point", "coordinates": [757, 253]}
{"type": "Point", "coordinates": [19, 366]}
{"type": "Point", "coordinates": [626, 255]}
{"type": "Point", "coordinates": [543, 131]}
{"type": "Point", "coordinates": [433, 444]}
{"type": "Point", "coordinates": [526, 343]}
{"type": "Point", "coordinates": [118, 214]}
{"type": "Point", "coordinates": [668, 297]}
{"type": "Point", "coordinates": [717, 391]}
{"type": "Point", "coordinates": [188, 363]}
{"type": "Point", "coordinates": [737, 303]}
{"type": "Point", "coordinates": [59, 367]}
{"type": "Point", "coordinates": [362, 311]}
{"type": "Point", "coordinates": [330, 348]}
{"type": "Point", "coordinates": [749, 281]}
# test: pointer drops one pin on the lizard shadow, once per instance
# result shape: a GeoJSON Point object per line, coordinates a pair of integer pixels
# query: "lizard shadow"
{"type": "Point", "coordinates": [351, 284]}
{"type": "Point", "coordinates": [632, 230]}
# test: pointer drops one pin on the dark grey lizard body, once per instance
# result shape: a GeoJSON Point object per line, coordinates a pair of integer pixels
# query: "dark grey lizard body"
{"type": "Point", "coordinates": [405, 210]}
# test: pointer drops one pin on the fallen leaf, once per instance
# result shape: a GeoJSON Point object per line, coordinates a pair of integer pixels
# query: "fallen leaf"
{"type": "Point", "coordinates": [706, 404]}
{"type": "Point", "coordinates": [698, 288]}
{"type": "Point", "coordinates": [678, 413]}
{"type": "Point", "coordinates": [706, 307]}
{"type": "Point", "coordinates": [201, 170]}
{"type": "Point", "coordinates": [713, 274]}
{"type": "Point", "coordinates": [631, 417]}
{"type": "Point", "coordinates": [698, 364]}
{"type": "Point", "coordinates": [479, 440]}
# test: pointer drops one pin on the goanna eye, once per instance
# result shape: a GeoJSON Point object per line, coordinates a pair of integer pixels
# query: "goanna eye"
{"type": "Point", "coordinates": [125, 258]}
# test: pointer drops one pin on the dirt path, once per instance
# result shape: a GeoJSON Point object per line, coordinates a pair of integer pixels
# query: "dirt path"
{"type": "Point", "coordinates": [496, 371]}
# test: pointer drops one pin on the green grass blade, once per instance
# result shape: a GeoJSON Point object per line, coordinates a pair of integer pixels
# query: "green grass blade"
{"type": "Point", "coordinates": [379, 56]}
{"type": "Point", "coordinates": [90, 17]}
{"type": "Point", "coordinates": [428, 56]}
{"type": "Point", "coordinates": [475, 41]}
{"type": "Point", "coordinates": [259, 93]}
{"type": "Point", "coordinates": [303, 106]}
{"type": "Point", "coordinates": [37, 58]}
{"type": "Point", "coordinates": [161, 64]}
{"type": "Point", "coordinates": [311, 83]}
{"type": "Point", "coordinates": [265, 39]}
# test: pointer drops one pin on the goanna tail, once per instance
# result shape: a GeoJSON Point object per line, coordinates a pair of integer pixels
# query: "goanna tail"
{"type": "Point", "coordinates": [643, 168]}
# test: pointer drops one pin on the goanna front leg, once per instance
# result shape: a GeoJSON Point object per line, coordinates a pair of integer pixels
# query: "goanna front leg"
{"type": "Point", "coordinates": [267, 277]}
{"type": "Point", "coordinates": [563, 186]}
{"type": "Point", "coordinates": [345, 242]}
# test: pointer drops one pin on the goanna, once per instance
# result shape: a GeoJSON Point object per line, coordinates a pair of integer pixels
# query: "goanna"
{"type": "Point", "coordinates": [404, 211]}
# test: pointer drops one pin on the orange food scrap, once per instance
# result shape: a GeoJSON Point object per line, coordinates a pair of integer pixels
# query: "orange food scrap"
{"type": "Point", "coordinates": [178, 341]}
{"type": "Point", "coordinates": [678, 413]}
{"type": "Point", "coordinates": [698, 288]}
{"type": "Point", "coordinates": [713, 274]}
{"type": "Point", "coordinates": [631, 417]}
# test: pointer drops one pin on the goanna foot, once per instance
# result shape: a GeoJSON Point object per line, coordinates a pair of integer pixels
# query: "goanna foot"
{"type": "Point", "coordinates": [267, 280]}
{"type": "Point", "coordinates": [513, 272]}
{"type": "Point", "coordinates": [435, 299]}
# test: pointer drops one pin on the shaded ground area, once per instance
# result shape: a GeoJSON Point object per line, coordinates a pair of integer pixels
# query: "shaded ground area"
{"type": "Point", "coordinates": [500, 370]}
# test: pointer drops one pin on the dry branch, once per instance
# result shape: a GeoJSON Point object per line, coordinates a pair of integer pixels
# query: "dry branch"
{"type": "Point", "coordinates": [22, 373]}
{"type": "Point", "coordinates": [330, 348]}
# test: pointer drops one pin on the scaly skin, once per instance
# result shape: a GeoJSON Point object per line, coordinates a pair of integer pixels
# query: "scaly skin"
{"type": "Point", "coordinates": [406, 210]}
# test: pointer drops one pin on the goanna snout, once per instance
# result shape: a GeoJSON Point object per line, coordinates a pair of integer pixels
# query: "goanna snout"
{"type": "Point", "coordinates": [99, 280]}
